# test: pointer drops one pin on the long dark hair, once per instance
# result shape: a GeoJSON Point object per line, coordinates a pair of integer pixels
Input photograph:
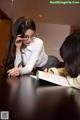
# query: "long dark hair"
{"type": "Point", "coordinates": [70, 52]}
{"type": "Point", "coordinates": [19, 27]}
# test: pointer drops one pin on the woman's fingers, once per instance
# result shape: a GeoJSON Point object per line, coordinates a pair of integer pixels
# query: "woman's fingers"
{"type": "Point", "coordinates": [45, 70]}
{"type": "Point", "coordinates": [19, 38]}
{"type": "Point", "coordinates": [19, 35]}
{"type": "Point", "coordinates": [13, 72]}
{"type": "Point", "coordinates": [18, 41]}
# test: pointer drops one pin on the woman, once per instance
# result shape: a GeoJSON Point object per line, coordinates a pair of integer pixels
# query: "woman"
{"type": "Point", "coordinates": [70, 52]}
{"type": "Point", "coordinates": [26, 51]}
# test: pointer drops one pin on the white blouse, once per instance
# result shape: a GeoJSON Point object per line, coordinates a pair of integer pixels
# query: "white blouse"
{"type": "Point", "coordinates": [33, 56]}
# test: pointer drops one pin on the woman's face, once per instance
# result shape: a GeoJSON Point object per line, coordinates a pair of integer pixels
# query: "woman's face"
{"type": "Point", "coordinates": [28, 36]}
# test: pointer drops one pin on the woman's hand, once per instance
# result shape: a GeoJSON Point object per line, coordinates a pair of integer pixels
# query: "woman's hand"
{"type": "Point", "coordinates": [18, 42]}
{"type": "Point", "coordinates": [14, 72]}
{"type": "Point", "coordinates": [45, 70]}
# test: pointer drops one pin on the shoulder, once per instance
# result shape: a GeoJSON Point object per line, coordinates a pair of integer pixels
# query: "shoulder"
{"type": "Point", "coordinates": [38, 40]}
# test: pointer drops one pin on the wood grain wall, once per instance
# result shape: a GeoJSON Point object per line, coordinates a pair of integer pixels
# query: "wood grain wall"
{"type": "Point", "coordinates": [4, 37]}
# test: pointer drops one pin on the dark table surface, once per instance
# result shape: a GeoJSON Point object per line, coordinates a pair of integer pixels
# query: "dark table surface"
{"type": "Point", "coordinates": [24, 99]}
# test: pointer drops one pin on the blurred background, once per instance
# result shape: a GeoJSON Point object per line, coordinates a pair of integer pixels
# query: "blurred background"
{"type": "Point", "coordinates": [54, 21]}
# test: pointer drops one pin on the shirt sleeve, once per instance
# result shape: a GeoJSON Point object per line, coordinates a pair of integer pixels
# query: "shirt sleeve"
{"type": "Point", "coordinates": [17, 59]}
{"type": "Point", "coordinates": [37, 48]}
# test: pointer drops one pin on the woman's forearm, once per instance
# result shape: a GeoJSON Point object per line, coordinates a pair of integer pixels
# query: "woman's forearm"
{"type": "Point", "coordinates": [17, 59]}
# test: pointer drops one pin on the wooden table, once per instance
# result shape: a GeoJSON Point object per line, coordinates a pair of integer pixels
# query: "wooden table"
{"type": "Point", "coordinates": [25, 100]}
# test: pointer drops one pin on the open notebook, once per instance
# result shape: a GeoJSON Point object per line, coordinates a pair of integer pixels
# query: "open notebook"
{"type": "Point", "coordinates": [57, 79]}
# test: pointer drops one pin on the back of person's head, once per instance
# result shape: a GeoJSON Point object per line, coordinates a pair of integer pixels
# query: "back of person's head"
{"type": "Point", "coordinates": [22, 24]}
{"type": "Point", "coordinates": [70, 52]}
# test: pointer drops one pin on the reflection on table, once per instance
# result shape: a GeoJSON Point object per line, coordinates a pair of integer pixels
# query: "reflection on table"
{"type": "Point", "coordinates": [17, 95]}
{"type": "Point", "coordinates": [26, 100]}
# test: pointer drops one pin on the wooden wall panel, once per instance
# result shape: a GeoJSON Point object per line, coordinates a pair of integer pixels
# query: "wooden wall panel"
{"type": "Point", "coordinates": [4, 37]}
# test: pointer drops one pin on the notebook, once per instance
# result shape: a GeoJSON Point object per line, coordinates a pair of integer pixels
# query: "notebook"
{"type": "Point", "coordinates": [57, 79]}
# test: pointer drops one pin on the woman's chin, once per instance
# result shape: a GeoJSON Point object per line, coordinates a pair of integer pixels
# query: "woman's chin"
{"type": "Point", "coordinates": [27, 43]}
